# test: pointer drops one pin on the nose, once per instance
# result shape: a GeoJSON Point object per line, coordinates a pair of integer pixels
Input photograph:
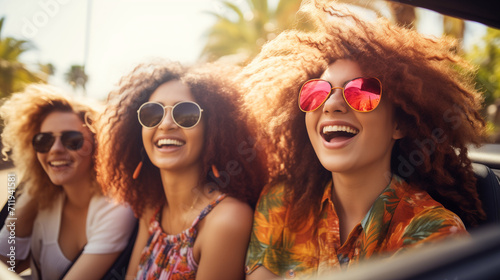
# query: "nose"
{"type": "Point", "coordinates": [167, 123]}
{"type": "Point", "coordinates": [335, 102]}
{"type": "Point", "coordinates": [57, 147]}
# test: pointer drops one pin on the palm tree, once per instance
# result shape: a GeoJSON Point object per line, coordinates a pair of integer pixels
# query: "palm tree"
{"type": "Point", "coordinates": [241, 33]}
{"type": "Point", "coordinates": [14, 75]}
{"type": "Point", "coordinates": [46, 70]}
{"type": "Point", "coordinates": [76, 77]}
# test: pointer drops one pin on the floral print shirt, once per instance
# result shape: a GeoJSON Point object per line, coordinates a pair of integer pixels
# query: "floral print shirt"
{"type": "Point", "coordinates": [402, 216]}
{"type": "Point", "coordinates": [170, 257]}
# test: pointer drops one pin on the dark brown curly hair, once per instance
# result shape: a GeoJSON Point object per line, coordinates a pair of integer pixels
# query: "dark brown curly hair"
{"type": "Point", "coordinates": [427, 82]}
{"type": "Point", "coordinates": [228, 142]}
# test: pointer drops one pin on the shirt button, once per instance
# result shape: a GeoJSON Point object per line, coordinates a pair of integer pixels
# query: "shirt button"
{"type": "Point", "coordinates": [343, 260]}
{"type": "Point", "coordinates": [290, 274]}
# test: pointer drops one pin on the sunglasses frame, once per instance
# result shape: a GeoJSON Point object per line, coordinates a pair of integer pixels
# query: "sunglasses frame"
{"type": "Point", "coordinates": [343, 93]}
{"type": "Point", "coordinates": [171, 114]}
{"type": "Point", "coordinates": [60, 135]}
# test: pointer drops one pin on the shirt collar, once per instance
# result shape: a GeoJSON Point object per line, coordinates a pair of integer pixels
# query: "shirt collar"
{"type": "Point", "coordinates": [388, 195]}
{"type": "Point", "coordinates": [327, 194]}
{"type": "Point", "coordinates": [395, 184]}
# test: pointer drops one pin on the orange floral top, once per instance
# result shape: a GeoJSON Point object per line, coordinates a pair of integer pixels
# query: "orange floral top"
{"type": "Point", "coordinates": [402, 216]}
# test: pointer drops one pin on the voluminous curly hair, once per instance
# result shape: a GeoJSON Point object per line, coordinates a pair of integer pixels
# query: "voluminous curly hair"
{"type": "Point", "coordinates": [228, 142]}
{"type": "Point", "coordinates": [427, 82]}
{"type": "Point", "coordinates": [23, 114]}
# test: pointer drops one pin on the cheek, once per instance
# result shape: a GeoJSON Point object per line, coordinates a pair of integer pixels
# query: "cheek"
{"type": "Point", "coordinates": [87, 149]}
{"type": "Point", "coordinates": [146, 138]}
{"type": "Point", "coordinates": [379, 127]}
{"type": "Point", "coordinates": [41, 158]}
{"type": "Point", "coordinates": [311, 120]}
{"type": "Point", "coordinates": [86, 163]}
{"type": "Point", "coordinates": [84, 155]}
{"type": "Point", "coordinates": [199, 135]}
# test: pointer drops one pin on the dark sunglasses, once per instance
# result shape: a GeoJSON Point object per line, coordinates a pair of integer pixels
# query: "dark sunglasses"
{"type": "Point", "coordinates": [71, 140]}
{"type": "Point", "coordinates": [185, 114]}
{"type": "Point", "coordinates": [361, 94]}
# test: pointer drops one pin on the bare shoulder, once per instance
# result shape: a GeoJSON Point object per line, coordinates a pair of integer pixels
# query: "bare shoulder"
{"type": "Point", "coordinates": [147, 215]}
{"type": "Point", "coordinates": [230, 214]}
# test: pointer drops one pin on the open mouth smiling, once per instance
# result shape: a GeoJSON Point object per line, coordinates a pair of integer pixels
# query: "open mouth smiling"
{"type": "Point", "coordinates": [340, 132]}
{"type": "Point", "coordinates": [169, 143]}
{"type": "Point", "coordinates": [59, 163]}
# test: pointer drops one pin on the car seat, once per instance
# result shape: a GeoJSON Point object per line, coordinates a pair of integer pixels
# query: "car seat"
{"type": "Point", "coordinates": [488, 188]}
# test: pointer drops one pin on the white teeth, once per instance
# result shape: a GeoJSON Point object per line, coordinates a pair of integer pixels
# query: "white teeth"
{"type": "Point", "coordinates": [59, 162]}
{"type": "Point", "coordinates": [336, 128]}
{"type": "Point", "coordinates": [175, 142]}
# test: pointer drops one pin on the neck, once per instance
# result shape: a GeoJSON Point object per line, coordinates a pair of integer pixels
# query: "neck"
{"type": "Point", "coordinates": [79, 194]}
{"type": "Point", "coordinates": [354, 193]}
{"type": "Point", "coordinates": [181, 188]}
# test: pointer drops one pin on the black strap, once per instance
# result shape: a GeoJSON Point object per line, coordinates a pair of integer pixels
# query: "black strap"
{"type": "Point", "coordinates": [38, 272]}
{"type": "Point", "coordinates": [119, 269]}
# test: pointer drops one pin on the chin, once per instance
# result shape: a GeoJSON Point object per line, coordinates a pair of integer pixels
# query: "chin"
{"type": "Point", "coordinates": [58, 182]}
{"type": "Point", "coordinates": [334, 163]}
{"type": "Point", "coordinates": [335, 169]}
{"type": "Point", "coordinates": [336, 166]}
{"type": "Point", "coordinates": [64, 180]}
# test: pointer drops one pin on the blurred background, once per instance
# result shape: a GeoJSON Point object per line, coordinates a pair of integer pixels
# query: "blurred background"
{"type": "Point", "coordinates": [85, 46]}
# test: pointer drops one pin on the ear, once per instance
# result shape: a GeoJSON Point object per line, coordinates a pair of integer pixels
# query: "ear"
{"type": "Point", "coordinates": [396, 132]}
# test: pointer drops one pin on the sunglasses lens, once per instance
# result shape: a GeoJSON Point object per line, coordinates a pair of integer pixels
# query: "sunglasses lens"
{"type": "Point", "coordinates": [42, 142]}
{"type": "Point", "coordinates": [72, 140]}
{"type": "Point", "coordinates": [186, 114]}
{"type": "Point", "coordinates": [151, 114]}
{"type": "Point", "coordinates": [363, 94]}
{"type": "Point", "coordinates": [312, 94]}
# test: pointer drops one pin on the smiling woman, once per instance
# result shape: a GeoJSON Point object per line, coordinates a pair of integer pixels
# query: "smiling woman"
{"type": "Point", "coordinates": [65, 227]}
{"type": "Point", "coordinates": [373, 161]}
{"type": "Point", "coordinates": [177, 150]}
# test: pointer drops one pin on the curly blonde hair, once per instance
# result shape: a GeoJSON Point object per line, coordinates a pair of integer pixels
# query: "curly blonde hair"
{"type": "Point", "coordinates": [227, 136]}
{"type": "Point", "coordinates": [23, 114]}
{"type": "Point", "coordinates": [427, 82]}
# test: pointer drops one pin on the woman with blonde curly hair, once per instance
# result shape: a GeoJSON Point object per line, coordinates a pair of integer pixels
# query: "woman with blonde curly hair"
{"type": "Point", "coordinates": [366, 127]}
{"type": "Point", "coordinates": [174, 148]}
{"type": "Point", "coordinates": [70, 229]}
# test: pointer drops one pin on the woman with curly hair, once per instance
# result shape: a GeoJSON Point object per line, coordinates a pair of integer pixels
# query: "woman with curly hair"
{"type": "Point", "coordinates": [375, 153]}
{"type": "Point", "coordinates": [63, 220]}
{"type": "Point", "coordinates": [176, 150]}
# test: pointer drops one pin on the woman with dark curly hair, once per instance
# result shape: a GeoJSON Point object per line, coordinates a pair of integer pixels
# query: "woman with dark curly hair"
{"type": "Point", "coordinates": [375, 153]}
{"type": "Point", "coordinates": [63, 223]}
{"type": "Point", "coordinates": [176, 150]}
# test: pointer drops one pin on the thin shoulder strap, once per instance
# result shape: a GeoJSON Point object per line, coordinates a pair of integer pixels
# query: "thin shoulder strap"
{"type": "Point", "coordinates": [156, 215]}
{"type": "Point", "coordinates": [209, 208]}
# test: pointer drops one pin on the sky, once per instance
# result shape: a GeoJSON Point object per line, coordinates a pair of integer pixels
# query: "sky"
{"type": "Point", "coordinates": [112, 36]}
{"type": "Point", "coordinates": [122, 34]}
